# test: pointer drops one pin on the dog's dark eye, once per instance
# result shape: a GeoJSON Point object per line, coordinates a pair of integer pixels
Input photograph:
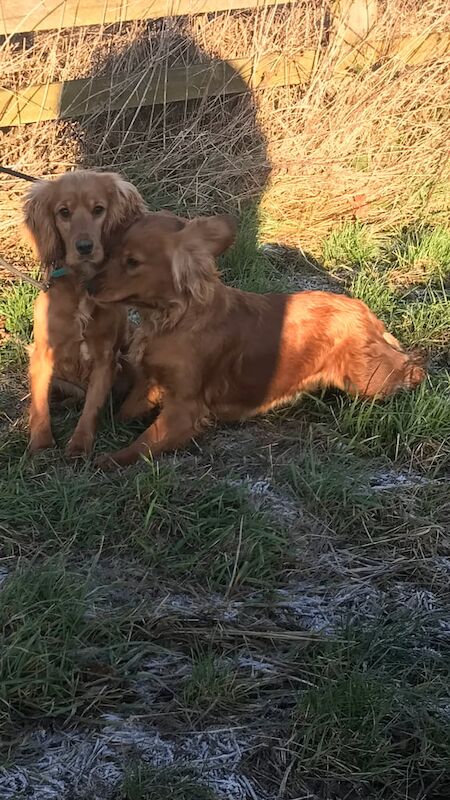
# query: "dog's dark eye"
{"type": "Point", "coordinates": [64, 213]}
{"type": "Point", "coordinates": [97, 210]}
{"type": "Point", "coordinates": [132, 262]}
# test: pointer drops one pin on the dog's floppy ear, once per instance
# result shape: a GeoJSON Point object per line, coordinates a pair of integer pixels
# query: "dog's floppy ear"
{"type": "Point", "coordinates": [126, 204]}
{"type": "Point", "coordinates": [198, 245]}
{"type": "Point", "coordinates": [40, 224]}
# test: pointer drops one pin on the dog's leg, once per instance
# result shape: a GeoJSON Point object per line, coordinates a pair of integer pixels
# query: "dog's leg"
{"type": "Point", "coordinates": [174, 427]}
{"type": "Point", "coordinates": [41, 371]}
{"type": "Point", "coordinates": [142, 398]}
{"type": "Point", "coordinates": [62, 390]}
{"type": "Point", "coordinates": [99, 386]}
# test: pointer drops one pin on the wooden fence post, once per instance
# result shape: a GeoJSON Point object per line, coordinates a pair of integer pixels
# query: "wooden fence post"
{"type": "Point", "coordinates": [352, 22]}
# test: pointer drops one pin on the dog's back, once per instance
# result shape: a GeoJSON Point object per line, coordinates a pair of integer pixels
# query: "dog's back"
{"type": "Point", "coordinates": [269, 348]}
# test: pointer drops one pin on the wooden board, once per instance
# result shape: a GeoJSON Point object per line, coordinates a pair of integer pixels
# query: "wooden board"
{"type": "Point", "coordinates": [158, 84]}
{"type": "Point", "coordinates": [23, 16]}
{"type": "Point", "coordinates": [155, 86]}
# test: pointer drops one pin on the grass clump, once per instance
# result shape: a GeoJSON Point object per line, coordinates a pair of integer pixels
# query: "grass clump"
{"type": "Point", "coordinates": [144, 782]}
{"type": "Point", "coordinates": [208, 530]}
{"type": "Point", "coordinates": [367, 502]}
{"type": "Point", "coordinates": [213, 533]}
{"type": "Point", "coordinates": [421, 254]}
{"type": "Point", "coordinates": [16, 317]}
{"type": "Point", "coordinates": [245, 264]}
{"type": "Point", "coordinates": [371, 717]}
{"type": "Point", "coordinates": [16, 307]}
{"type": "Point", "coordinates": [60, 507]}
{"type": "Point", "coordinates": [426, 323]}
{"type": "Point", "coordinates": [350, 246]}
{"type": "Point", "coordinates": [379, 277]}
{"type": "Point", "coordinates": [372, 287]}
{"type": "Point", "coordinates": [44, 627]}
{"type": "Point", "coordinates": [409, 423]}
{"type": "Point", "coordinates": [212, 687]}
{"type": "Point", "coordinates": [330, 484]}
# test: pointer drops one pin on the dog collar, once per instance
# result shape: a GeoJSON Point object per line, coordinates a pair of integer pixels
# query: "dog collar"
{"type": "Point", "coordinates": [59, 272]}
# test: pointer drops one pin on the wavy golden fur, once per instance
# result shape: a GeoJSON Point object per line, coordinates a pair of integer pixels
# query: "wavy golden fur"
{"type": "Point", "coordinates": [75, 222]}
{"type": "Point", "coordinates": [207, 351]}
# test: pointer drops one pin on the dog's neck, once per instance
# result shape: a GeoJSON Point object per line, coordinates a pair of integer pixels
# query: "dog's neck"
{"type": "Point", "coordinates": [164, 315]}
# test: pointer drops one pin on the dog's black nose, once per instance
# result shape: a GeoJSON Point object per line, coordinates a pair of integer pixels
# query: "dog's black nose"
{"type": "Point", "coordinates": [84, 247]}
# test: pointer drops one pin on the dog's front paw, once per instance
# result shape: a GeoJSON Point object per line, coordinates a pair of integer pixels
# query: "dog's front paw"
{"type": "Point", "coordinates": [106, 462]}
{"type": "Point", "coordinates": [80, 444]}
{"type": "Point", "coordinates": [414, 374]}
{"type": "Point", "coordinates": [119, 458]}
{"type": "Point", "coordinates": [41, 440]}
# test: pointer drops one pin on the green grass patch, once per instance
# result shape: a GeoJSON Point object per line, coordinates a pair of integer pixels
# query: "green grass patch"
{"type": "Point", "coordinates": [349, 246]}
{"type": "Point", "coordinates": [144, 782]}
{"type": "Point", "coordinates": [417, 323]}
{"type": "Point", "coordinates": [332, 484]}
{"type": "Point", "coordinates": [426, 322]}
{"type": "Point", "coordinates": [212, 686]}
{"type": "Point", "coordinates": [245, 265]}
{"type": "Point", "coordinates": [45, 633]}
{"type": "Point", "coordinates": [372, 287]}
{"type": "Point", "coordinates": [211, 532]}
{"type": "Point", "coordinates": [13, 355]}
{"type": "Point", "coordinates": [372, 717]}
{"type": "Point", "coordinates": [411, 422]}
{"type": "Point", "coordinates": [366, 503]}
{"type": "Point", "coordinates": [378, 278]}
{"type": "Point", "coordinates": [423, 252]}
{"type": "Point", "coordinates": [16, 307]}
{"type": "Point", "coordinates": [179, 526]}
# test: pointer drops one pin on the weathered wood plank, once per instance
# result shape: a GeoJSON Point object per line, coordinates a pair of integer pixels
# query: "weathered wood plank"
{"type": "Point", "coordinates": [158, 85]}
{"type": "Point", "coordinates": [352, 21]}
{"type": "Point", "coordinates": [21, 16]}
{"type": "Point", "coordinates": [154, 86]}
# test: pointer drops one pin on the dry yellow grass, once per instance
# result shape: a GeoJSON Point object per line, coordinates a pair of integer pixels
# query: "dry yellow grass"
{"type": "Point", "coordinates": [374, 145]}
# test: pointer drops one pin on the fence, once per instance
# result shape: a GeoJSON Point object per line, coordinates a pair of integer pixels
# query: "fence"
{"type": "Point", "coordinates": [310, 114]}
{"type": "Point", "coordinates": [159, 84]}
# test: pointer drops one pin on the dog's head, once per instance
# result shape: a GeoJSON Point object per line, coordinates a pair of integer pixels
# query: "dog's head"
{"type": "Point", "coordinates": [76, 218]}
{"type": "Point", "coordinates": [164, 258]}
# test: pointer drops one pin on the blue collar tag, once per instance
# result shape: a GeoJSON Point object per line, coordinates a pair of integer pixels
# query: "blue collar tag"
{"type": "Point", "coordinates": [59, 272]}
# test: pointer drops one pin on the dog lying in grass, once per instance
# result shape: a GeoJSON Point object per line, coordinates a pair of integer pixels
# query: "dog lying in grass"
{"type": "Point", "coordinates": [74, 223]}
{"type": "Point", "coordinates": [210, 352]}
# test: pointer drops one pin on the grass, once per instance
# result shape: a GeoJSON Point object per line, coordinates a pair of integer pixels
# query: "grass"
{"type": "Point", "coordinates": [46, 634]}
{"type": "Point", "coordinates": [159, 627]}
{"type": "Point", "coordinates": [422, 254]}
{"type": "Point", "coordinates": [407, 425]}
{"type": "Point", "coordinates": [212, 686]}
{"type": "Point", "coordinates": [360, 503]}
{"type": "Point", "coordinates": [211, 531]}
{"type": "Point", "coordinates": [360, 722]}
{"type": "Point", "coordinates": [371, 286]}
{"type": "Point", "coordinates": [427, 321]}
{"type": "Point", "coordinates": [161, 596]}
{"type": "Point", "coordinates": [16, 303]}
{"type": "Point", "coordinates": [352, 245]}
{"type": "Point", "coordinates": [143, 782]}
{"type": "Point", "coordinates": [245, 265]}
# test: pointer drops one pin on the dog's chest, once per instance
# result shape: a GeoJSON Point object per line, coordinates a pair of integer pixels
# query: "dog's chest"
{"type": "Point", "coordinates": [76, 356]}
{"type": "Point", "coordinates": [83, 317]}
